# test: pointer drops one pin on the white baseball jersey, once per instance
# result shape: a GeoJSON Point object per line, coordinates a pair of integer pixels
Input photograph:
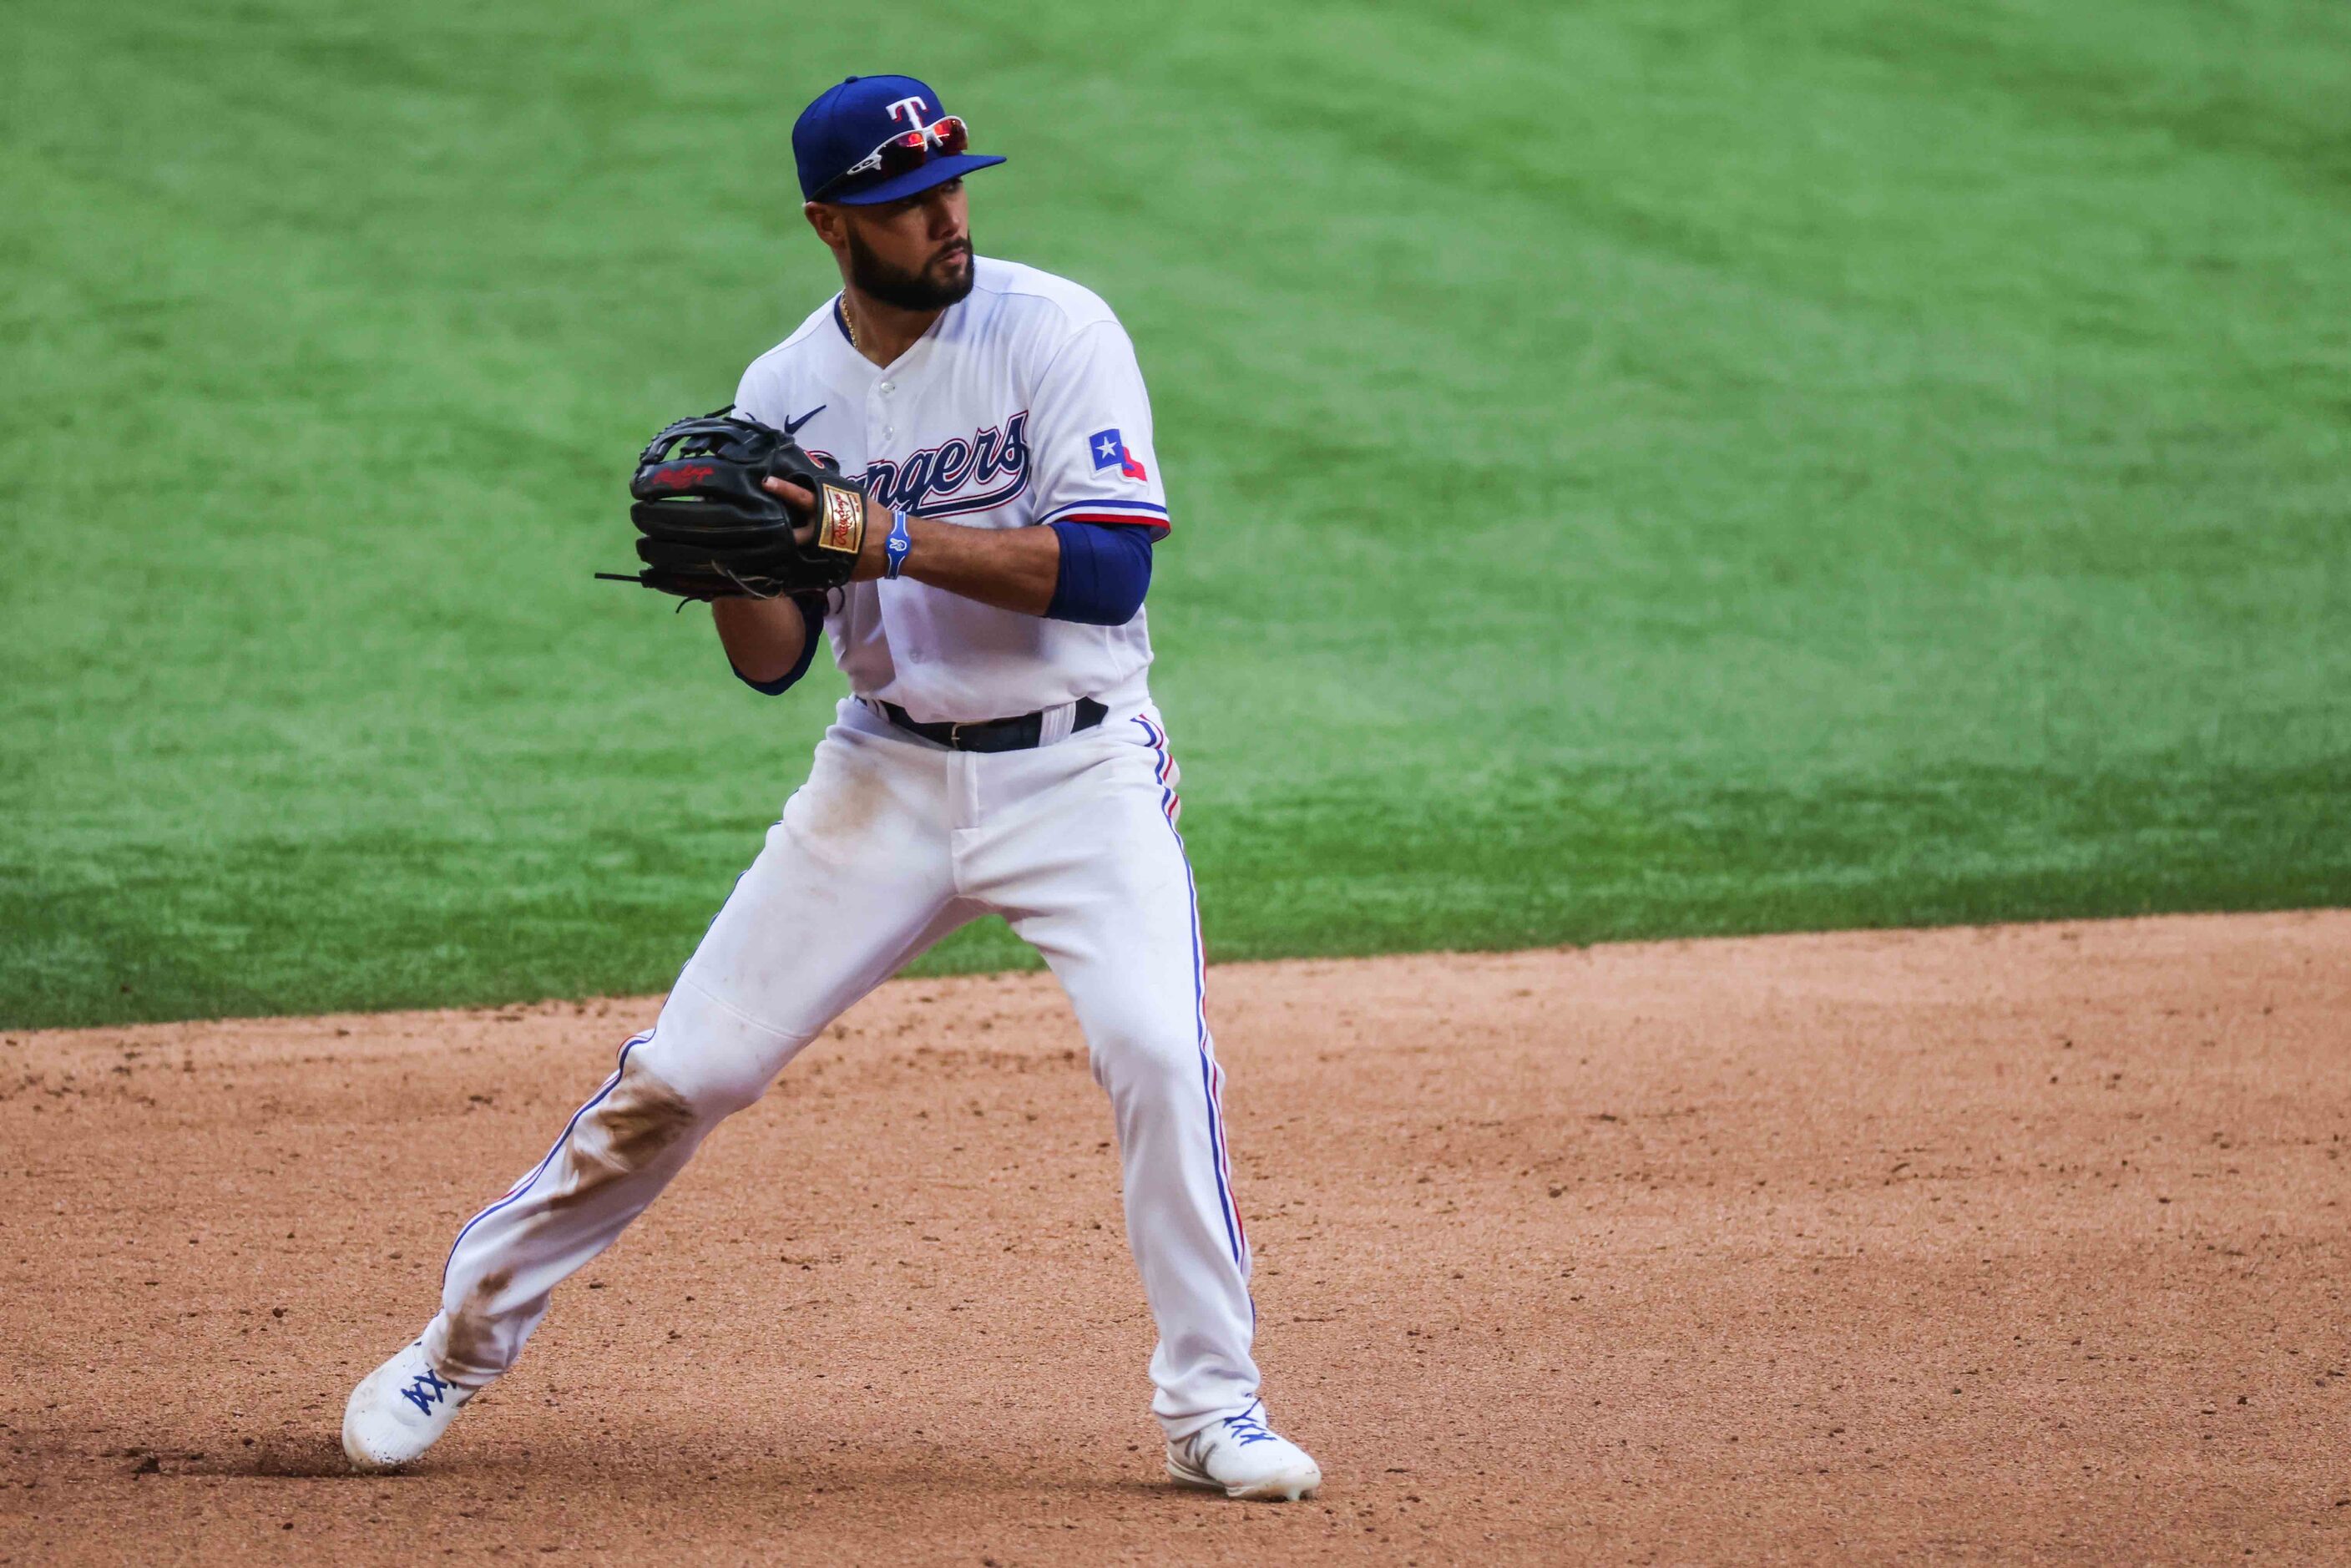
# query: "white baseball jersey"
{"type": "Point", "coordinates": [1022, 405]}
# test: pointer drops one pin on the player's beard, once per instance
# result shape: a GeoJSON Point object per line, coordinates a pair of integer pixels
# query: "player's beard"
{"type": "Point", "coordinates": [944, 280]}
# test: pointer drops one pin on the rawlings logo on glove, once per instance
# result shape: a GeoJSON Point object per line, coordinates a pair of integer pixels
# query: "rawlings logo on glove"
{"type": "Point", "coordinates": [844, 520]}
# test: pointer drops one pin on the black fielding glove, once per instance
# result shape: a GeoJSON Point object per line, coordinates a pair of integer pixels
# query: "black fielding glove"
{"type": "Point", "coordinates": [708, 530]}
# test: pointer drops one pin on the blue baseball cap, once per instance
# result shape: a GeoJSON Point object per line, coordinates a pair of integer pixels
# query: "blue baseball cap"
{"type": "Point", "coordinates": [848, 122]}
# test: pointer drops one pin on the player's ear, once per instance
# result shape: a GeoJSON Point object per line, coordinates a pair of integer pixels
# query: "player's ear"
{"type": "Point", "coordinates": [825, 218]}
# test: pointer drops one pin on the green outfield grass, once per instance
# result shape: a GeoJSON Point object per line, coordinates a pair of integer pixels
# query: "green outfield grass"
{"type": "Point", "coordinates": [1640, 469]}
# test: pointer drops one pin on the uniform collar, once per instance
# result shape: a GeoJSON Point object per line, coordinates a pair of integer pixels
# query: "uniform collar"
{"type": "Point", "coordinates": [917, 353]}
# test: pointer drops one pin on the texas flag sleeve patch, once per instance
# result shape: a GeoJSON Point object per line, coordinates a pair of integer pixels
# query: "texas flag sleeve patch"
{"type": "Point", "coordinates": [1110, 452]}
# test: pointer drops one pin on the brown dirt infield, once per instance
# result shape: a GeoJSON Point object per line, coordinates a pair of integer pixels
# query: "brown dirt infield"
{"type": "Point", "coordinates": [2019, 1244]}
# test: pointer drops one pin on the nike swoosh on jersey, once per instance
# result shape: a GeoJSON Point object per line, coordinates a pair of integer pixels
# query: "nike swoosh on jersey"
{"type": "Point", "coordinates": [792, 426]}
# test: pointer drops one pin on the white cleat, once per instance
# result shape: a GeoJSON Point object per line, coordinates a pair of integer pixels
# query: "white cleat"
{"type": "Point", "coordinates": [1241, 1457]}
{"type": "Point", "coordinates": [399, 1410]}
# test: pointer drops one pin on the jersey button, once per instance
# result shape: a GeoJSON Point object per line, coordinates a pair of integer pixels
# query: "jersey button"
{"type": "Point", "coordinates": [887, 388]}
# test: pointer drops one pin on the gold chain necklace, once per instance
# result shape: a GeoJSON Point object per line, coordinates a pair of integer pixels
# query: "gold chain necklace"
{"type": "Point", "coordinates": [850, 322]}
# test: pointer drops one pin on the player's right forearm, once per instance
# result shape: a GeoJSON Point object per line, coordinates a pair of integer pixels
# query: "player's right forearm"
{"type": "Point", "coordinates": [763, 637]}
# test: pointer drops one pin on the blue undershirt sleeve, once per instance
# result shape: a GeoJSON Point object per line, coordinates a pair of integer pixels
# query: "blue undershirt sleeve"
{"type": "Point", "coordinates": [1106, 570]}
{"type": "Point", "coordinates": [812, 617]}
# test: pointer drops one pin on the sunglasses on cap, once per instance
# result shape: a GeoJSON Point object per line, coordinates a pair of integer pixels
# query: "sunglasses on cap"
{"type": "Point", "coordinates": [907, 150]}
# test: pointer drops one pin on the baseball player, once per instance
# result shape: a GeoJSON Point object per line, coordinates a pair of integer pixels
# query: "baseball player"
{"type": "Point", "coordinates": [1000, 753]}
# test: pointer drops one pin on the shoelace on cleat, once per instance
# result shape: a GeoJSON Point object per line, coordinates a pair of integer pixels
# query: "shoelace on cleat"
{"type": "Point", "coordinates": [1246, 1428]}
{"type": "Point", "coordinates": [425, 1390]}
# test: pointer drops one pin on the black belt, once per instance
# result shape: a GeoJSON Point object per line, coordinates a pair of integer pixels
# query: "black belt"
{"type": "Point", "coordinates": [993, 734]}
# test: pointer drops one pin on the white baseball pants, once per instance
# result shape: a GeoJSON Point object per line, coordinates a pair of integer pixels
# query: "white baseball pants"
{"type": "Point", "coordinates": [891, 845]}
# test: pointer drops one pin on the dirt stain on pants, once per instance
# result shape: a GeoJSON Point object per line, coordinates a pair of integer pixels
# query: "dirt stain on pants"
{"type": "Point", "coordinates": [637, 1123]}
{"type": "Point", "coordinates": [632, 1130]}
{"type": "Point", "coordinates": [468, 1342]}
